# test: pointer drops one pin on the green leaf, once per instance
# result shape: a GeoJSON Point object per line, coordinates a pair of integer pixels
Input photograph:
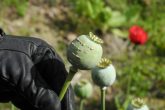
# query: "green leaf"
{"type": "Point", "coordinates": [117, 19]}
{"type": "Point", "coordinates": [120, 33]}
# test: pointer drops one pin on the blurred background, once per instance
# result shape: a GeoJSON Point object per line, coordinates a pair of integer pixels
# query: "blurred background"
{"type": "Point", "coordinates": [140, 68]}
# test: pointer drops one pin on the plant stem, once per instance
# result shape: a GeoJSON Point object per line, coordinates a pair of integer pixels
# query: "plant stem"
{"type": "Point", "coordinates": [129, 85]}
{"type": "Point", "coordinates": [12, 107]}
{"type": "Point", "coordinates": [154, 13]}
{"type": "Point", "coordinates": [72, 72]}
{"type": "Point", "coordinates": [103, 89]}
{"type": "Point", "coordinates": [81, 104]}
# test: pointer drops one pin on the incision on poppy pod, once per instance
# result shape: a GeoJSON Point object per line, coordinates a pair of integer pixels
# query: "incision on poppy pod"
{"type": "Point", "coordinates": [85, 51]}
{"type": "Point", "coordinates": [137, 35]}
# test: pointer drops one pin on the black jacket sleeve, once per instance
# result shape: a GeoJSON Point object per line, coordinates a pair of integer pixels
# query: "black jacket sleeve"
{"type": "Point", "coordinates": [52, 69]}
{"type": "Point", "coordinates": [19, 71]}
{"type": "Point", "coordinates": [34, 74]}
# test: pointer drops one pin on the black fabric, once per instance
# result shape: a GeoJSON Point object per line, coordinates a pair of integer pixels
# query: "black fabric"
{"type": "Point", "coordinates": [32, 75]}
{"type": "Point", "coordinates": [2, 33]}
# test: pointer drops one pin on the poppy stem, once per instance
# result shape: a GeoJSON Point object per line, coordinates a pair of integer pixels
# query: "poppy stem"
{"type": "Point", "coordinates": [81, 104]}
{"type": "Point", "coordinates": [103, 90]}
{"type": "Point", "coordinates": [12, 107]}
{"type": "Point", "coordinates": [72, 72]}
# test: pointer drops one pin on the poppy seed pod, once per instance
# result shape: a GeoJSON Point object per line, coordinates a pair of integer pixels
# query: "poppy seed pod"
{"type": "Point", "coordinates": [85, 51]}
{"type": "Point", "coordinates": [137, 104]}
{"type": "Point", "coordinates": [104, 74]}
{"type": "Point", "coordinates": [83, 89]}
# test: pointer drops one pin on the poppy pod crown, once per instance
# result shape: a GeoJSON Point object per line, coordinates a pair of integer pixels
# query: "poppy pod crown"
{"type": "Point", "coordinates": [137, 104]}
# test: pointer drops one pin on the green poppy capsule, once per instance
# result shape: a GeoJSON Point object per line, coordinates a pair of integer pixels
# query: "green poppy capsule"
{"type": "Point", "coordinates": [83, 89]}
{"type": "Point", "coordinates": [85, 51]}
{"type": "Point", "coordinates": [104, 74]}
{"type": "Point", "coordinates": [137, 104]}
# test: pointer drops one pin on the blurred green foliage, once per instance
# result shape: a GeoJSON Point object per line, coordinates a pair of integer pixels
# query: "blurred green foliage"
{"type": "Point", "coordinates": [142, 73]}
{"type": "Point", "coordinates": [94, 14]}
{"type": "Point", "coordinates": [20, 6]}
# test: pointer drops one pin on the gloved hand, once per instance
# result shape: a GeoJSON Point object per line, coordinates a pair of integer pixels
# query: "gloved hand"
{"type": "Point", "coordinates": [32, 74]}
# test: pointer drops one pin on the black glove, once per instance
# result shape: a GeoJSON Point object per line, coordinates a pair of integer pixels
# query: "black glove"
{"type": "Point", "coordinates": [32, 74]}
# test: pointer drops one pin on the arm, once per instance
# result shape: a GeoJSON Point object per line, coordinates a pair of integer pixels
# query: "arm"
{"type": "Point", "coordinates": [53, 71]}
{"type": "Point", "coordinates": [19, 71]}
